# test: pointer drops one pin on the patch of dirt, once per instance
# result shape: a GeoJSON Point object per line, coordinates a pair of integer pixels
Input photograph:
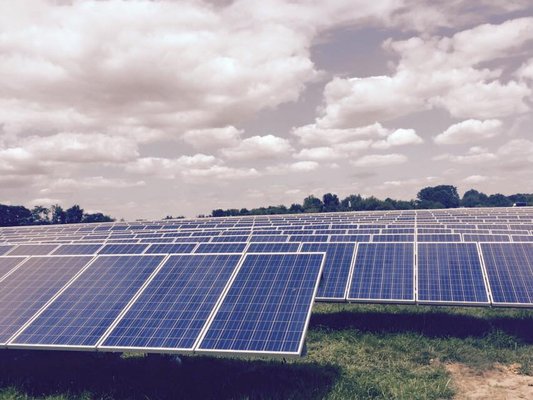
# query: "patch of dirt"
{"type": "Point", "coordinates": [502, 382]}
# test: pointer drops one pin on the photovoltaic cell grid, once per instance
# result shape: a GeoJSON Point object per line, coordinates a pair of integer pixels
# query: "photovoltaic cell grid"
{"type": "Point", "coordinates": [510, 272]}
{"type": "Point", "coordinates": [336, 268]}
{"type": "Point", "coordinates": [171, 248]}
{"type": "Point", "coordinates": [383, 272]}
{"type": "Point", "coordinates": [8, 263]}
{"type": "Point", "coordinates": [267, 308]}
{"type": "Point", "coordinates": [81, 314]}
{"type": "Point", "coordinates": [31, 286]}
{"type": "Point", "coordinates": [32, 250]}
{"type": "Point", "coordinates": [77, 249]}
{"type": "Point", "coordinates": [174, 307]}
{"type": "Point", "coordinates": [450, 273]}
{"type": "Point", "coordinates": [4, 249]}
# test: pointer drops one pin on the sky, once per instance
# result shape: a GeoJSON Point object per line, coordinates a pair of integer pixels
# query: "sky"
{"type": "Point", "coordinates": [142, 109]}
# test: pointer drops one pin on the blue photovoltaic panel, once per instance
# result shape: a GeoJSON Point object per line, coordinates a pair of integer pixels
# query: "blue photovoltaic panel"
{"type": "Point", "coordinates": [450, 273]}
{"type": "Point", "coordinates": [32, 249]}
{"type": "Point", "coordinates": [229, 239]}
{"type": "Point", "coordinates": [171, 248]}
{"type": "Point", "coordinates": [88, 307]}
{"type": "Point", "coordinates": [393, 238]}
{"type": "Point", "coordinates": [8, 263]}
{"type": "Point", "coordinates": [438, 237]}
{"type": "Point", "coordinates": [268, 238]}
{"type": "Point", "coordinates": [273, 247]}
{"type": "Point", "coordinates": [336, 268]}
{"type": "Point", "coordinates": [174, 307]}
{"type": "Point", "coordinates": [308, 238]}
{"type": "Point", "coordinates": [350, 238]}
{"type": "Point", "coordinates": [123, 248]}
{"type": "Point", "coordinates": [510, 272]}
{"type": "Point", "coordinates": [468, 237]}
{"type": "Point", "coordinates": [76, 249]}
{"type": "Point", "coordinates": [31, 286]}
{"type": "Point", "coordinates": [5, 248]}
{"type": "Point", "coordinates": [383, 272]}
{"type": "Point", "coordinates": [522, 238]}
{"type": "Point", "coordinates": [267, 307]}
{"type": "Point", "coordinates": [221, 248]}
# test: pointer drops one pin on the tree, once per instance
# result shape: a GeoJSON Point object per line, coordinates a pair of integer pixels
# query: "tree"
{"type": "Point", "coordinates": [473, 198]}
{"type": "Point", "coordinates": [312, 204]}
{"type": "Point", "coordinates": [352, 202]}
{"type": "Point", "coordinates": [59, 216]}
{"type": "Point", "coordinates": [40, 215]}
{"type": "Point", "coordinates": [96, 217]}
{"type": "Point", "coordinates": [331, 202]}
{"type": "Point", "coordinates": [499, 200]}
{"type": "Point", "coordinates": [296, 208]}
{"type": "Point", "coordinates": [446, 195]}
{"type": "Point", "coordinates": [74, 214]}
{"type": "Point", "coordinates": [14, 215]}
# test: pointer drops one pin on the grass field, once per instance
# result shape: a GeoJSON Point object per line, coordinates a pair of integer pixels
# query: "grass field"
{"type": "Point", "coordinates": [354, 352]}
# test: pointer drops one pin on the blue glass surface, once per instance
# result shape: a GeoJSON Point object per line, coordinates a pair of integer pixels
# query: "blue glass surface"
{"type": "Point", "coordinates": [273, 247]}
{"type": "Point", "coordinates": [175, 306]}
{"type": "Point", "coordinates": [221, 248]}
{"type": "Point", "coordinates": [470, 237]}
{"type": "Point", "coordinates": [510, 271]}
{"type": "Point", "coordinates": [383, 271]}
{"type": "Point", "coordinates": [170, 248]}
{"type": "Point", "coordinates": [267, 306]}
{"type": "Point", "coordinates": [31, 286]}
{"type": "Point", "coordinates": [32, 249]}
{"type": "Point", "coordinates": [88, 307]}
{"type": "Point", "coordinates": [336, 268]}
{"type": "Point", "coordinates": [438, 237]}
{"type": "Point", "coordinates": [8, 263]}
{"type": "Point", "coordinates": [308, 238]}
{"type": "Point", "coordinates": [76, 249]}
{"type": "Point", "coordinates": [5, 248]}
{"type": "Point", "coordinates": [135, 248]}
{"type": "Point", "coordinates": [450, 273]}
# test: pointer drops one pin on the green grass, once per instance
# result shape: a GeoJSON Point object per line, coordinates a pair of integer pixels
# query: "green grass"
{"type": "Point", "coordinates": [354, 352]}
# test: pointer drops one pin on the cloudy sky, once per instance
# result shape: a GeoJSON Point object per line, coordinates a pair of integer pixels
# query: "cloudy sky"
{"type": "Point", "coordinates": [146, 108]}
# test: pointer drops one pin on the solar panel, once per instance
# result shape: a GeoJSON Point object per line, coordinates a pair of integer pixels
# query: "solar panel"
{"type": "Point", "coordinates": [4, 249]}
{"type": "Point", "coordinates": [450, 273]}
{"type": "Point", "coordinates": [220, 248]}
{"type": "Point", "coordinates": [267, 307]}
{"type": "Point", "coordinates": [468, 237]}
{"type": "Point", "coordinates": [76, 249]}
{"type": "Point", "coordinates": [439, 237]}
{"type": "Point", "coordinates": [393, 238]}
{"type": "Point", "coordinates": [32, 249]}
{"type": "Point", "coordinates": [273, 247]}
{"type": "Point", "coordinates": [510, 272]}
{"type": "Point", "coordinates": [8, 263]}
{"type": "Point", "coordinates": [82, 313]}
{"type": "Point", "coordinates": [350, 238]}
{"type": "Point", "coordinates": [522, 238]}
{"type": "Point", "coordinates": [268, 238]}
{"type": "Point", "coordinates": [123, 248]}
{"type": "Point", "coordinates": [336, 268]}
{"type": "Point", "coordinates": [31, 286]}
{"type": "Point", "coordinates": [171, 248]}
{"type": "Point", "coordinates": [308, 238]}
{"type": "Point", "coordinates": [229, 238]}
{"type": "Point", "coordinates": [383, 272]}
{"type": "Point", "coordinates": [174, 307]}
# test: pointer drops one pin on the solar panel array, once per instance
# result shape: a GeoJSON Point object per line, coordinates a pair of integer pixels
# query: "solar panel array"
{"type": "Point", "coordinates": [245, 285]}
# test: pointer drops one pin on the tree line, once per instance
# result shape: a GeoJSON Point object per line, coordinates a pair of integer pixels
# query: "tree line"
{"type": "Point", "coordinates": [40, 215]}
{"type": "Point", "coordinates": [442, 196]}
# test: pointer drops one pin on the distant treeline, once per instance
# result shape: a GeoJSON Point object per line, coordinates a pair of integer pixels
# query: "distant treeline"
{"type": "Point", "coordinates": [39, 215]}
{"type": "Point", "coordinates": [442, 196]}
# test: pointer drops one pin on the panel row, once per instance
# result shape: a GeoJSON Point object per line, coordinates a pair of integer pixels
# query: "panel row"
{"type": "Point", "coordinates": [252, 304]}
